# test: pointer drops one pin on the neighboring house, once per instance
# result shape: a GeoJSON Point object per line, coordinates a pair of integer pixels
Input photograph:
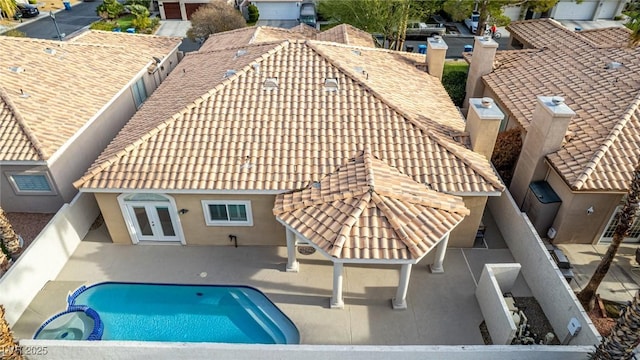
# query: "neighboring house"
{"type": "Point", "coordinates": [278, 9]}
{"type": "Point", "coordinates": [234, 127]}
{"type": "Point", "coordinates": [573, 10]}
{"type": "Point", "coordinates": [61, 103]}
{"type": "Point", "coordinates": [573, 171]}
{"type": "Point", "coordinates": [182, 9]}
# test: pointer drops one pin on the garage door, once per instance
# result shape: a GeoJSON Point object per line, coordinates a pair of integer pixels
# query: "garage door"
{"type": "Point", "coordinates": [608, 10]}
{"type": "Point", "coordinates": [278, 11]}
{"type": "Point", "coordinates": [570, 10]}
{"type": "Point", "coordinates": [191, 8]}
{"type": "Point", "coordinates": [171, 10]}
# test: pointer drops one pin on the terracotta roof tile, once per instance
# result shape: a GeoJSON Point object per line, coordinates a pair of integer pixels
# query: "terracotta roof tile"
{"type": "Point", "coordinates": [601, 152]}
{"type": "Point", "coordinates": [383, 215]}
{"type": "Point", "coordinates": [235, 134]}
{"type": "Point", "coordinates": [344, 34]}
{"type": "Point", "coordinates": [61, 88]}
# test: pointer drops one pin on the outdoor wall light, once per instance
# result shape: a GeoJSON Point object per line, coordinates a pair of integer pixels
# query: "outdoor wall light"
{"type": "Point", "coordinates": [590, 210]}
{"type": "Point", "coordinates": [183, 211]}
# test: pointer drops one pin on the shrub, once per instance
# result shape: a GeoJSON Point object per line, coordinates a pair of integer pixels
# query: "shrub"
{"type": "Point", "coordinates": [506, 153]}
{"type": "Point", "coordinates": [455, 83]}
{"type": "Point", "coordinates": [33, 2]}
{"type": "Point", "coordinates": [145, 3]}
{"type": "Point", "coordinates": [215, 17]}
{"type": "Point", "coordinates": [103, 25]}
{"type": "Point", "coordinates": [14, 33]}
{"type": "Point", "coordinates": [254, 14]}
{"type": "Point", "coordinates": [109, 9]}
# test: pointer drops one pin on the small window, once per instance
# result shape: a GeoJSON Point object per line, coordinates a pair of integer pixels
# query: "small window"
{"type": "Point", "coordinates": [31, 183]}
{"type": "Point", "coordinates": [139, 92]}
{"type": "Point", "coordinates": [227, 213]}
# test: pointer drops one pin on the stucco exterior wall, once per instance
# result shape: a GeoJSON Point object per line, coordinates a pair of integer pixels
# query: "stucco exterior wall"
{"type": "Point", "coordinates": [464, 234]}
{"type": "Point", "coordinates": [265, 230]}
{"type": "Point", "coordinates": [14, 202]}
{"type": "Point", "coordinates": [572, 223]}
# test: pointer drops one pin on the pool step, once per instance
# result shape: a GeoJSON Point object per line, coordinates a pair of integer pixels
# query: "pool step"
{"type": "Point", "coordinates": [265, 321]}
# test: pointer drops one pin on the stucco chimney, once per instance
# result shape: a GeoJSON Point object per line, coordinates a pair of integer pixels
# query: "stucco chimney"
{"type": "Point", "coordinates": [545, 135]}
{"type": "Point", "coordinates": [484, 52]}
{"type": "Point", "coordinates": [483, 124]}
{"type": "Point", "coordinates": [436, 53]}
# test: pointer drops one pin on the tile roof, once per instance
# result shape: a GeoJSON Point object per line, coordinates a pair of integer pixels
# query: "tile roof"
{"type": "Point", "coordinates": [233, 134]}
{"type": "Point", "coordinates": [367, 209]}
{"type": "Point", "coordinates": [604, 135]}
{"type": "Point", "coordinates": [347, 34]}
{"type": "Point", "coordinates": [607, 37]}
{"type": "Point", "coordinates": [62, 88]}
{"type": "Point", "coordinates": [344, 34]}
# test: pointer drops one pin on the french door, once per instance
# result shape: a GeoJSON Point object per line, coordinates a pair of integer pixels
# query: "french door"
{"type": "Point", "coordinates": [153, 221]}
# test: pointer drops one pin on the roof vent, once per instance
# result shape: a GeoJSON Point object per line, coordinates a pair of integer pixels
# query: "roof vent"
{"type": "Point", "coordinates": [50, 51]}
{"type": "Point", "coordinates": [16, 69]}
{"type": "Point", "coordinates": [436, 39]}
{"type": "Point", "coordinates": [486, 102]}
{"type": "Point", "coordinates": [229, 73]}
{"type": "Point", "coordinates": [331, 84]}
{"type": "Point", "coordinates": [256, 68]}
{"type": "Point", "coordinates": [315, 185]}
{"type": "Point", "coordinates": [270, 84]}
{"type": "Point", "coordinates": [24, 95]}
{"type": "Point", "coordinates": [613, 65]}
{"type": "Point", "coordinates": [557, 100]}
{"type": "Point", "coordinates": [241, 52]}
{"type": "Point", "coordinates": [356, 52]}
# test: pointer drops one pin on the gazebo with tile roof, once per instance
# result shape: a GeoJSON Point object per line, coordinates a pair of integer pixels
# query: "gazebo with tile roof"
{"type": "Point", "coordinates": [369, 212]}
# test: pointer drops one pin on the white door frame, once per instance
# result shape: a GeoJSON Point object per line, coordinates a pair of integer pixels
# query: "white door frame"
{"type": "Point", "coordinates": [151, 206]}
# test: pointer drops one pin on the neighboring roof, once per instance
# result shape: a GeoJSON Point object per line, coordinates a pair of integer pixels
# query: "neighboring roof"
{"type": "Point", "coordinates": [607, 37]}
{"type": "Point", "coordinates": [233, 134]}
{"type": "Point", "coordinates": [602, 149]}
{"type": "Point", "coordinates": [344, 34]}
{"type": "Point", "coordinates": [369, 210]}
{"type": "Point", "coordinates": [60, 86]}
{"type": "Point", "coordinates": [347, 34]}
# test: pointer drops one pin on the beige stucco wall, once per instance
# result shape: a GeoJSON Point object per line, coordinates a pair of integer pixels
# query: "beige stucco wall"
{"type": "Point", "coordinates": [265, 230]}
{"type": "Point", "coordinates": [464, 234]}
{"type": "Point", "coordinates": [572, 222]}
{"type": "Point", "coordinates": [12, 202]}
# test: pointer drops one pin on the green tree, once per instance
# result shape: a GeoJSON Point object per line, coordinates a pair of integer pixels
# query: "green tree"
{"type": "Point", "coordinates": [109, 9]}
{"type": "Point", "coordinates": [215, 17]}
{"type": "Point", "coordinates": [385, 17]}
{"type": "Point", "coordinates": [624, 336]}
{"type": "Point", "coordinates": [254, 14]}
{"type": "Point", "coordinates": [633, 23]}
{"type": "Point", "coordinates": [141, 14]}
{"type": "Point", "coordinates": [7, 7]}
{"type": "Point", "coordinates": [537, 6]}
{"type": "Point", "coordinates": [624, 218]}
{"type": "Point", "coordinates": [145, 3]}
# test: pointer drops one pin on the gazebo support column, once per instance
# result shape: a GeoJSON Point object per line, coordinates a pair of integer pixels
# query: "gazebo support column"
{"type": "Point", "coordinates": [400, 301]}
{"type": "Point", "coordinates": [437, 266]}
{"type": "Point", "coordinates": [292, 263]}
{"type": "Point", "coordinates": [336, 299]}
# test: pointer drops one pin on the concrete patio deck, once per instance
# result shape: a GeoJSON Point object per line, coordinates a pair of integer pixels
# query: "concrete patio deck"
{"type": "Point", "coordinates": [442, 308]}
{"type": "Point", "coordinates": [621, 282]}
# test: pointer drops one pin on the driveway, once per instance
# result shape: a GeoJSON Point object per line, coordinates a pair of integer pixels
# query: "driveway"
{"type": "Point", "coordinates": [285, 24]}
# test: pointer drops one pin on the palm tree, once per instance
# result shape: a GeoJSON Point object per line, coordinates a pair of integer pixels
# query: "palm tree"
{"type": "Point", "coordinates": [624, 337]}
{"type": "Point", "coordinates": [633, 23]}
{"type": "Point", "coordinates": [10, 240]}
{"type": "Point", "coordinates": [8, 344]}
{"type": "Point", "coordinates": [7, 7]}
{"type": "Point", "coordinates": [623, 220]}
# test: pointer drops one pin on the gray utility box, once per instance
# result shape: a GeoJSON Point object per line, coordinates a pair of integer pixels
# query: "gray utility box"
{"type": "Point", "coordinates": [541, 205]}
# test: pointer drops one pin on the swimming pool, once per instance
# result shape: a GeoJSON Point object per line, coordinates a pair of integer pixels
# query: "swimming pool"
{"type": "Point", "coordinates": [184, 313]}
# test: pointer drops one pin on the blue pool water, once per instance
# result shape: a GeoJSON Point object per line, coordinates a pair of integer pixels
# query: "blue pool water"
{"type": "Point", "coordinates": [187, 313]}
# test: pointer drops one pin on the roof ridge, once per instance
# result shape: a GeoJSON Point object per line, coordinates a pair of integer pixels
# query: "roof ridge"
{"type": "Point", "coordinates": [396, 225]}
{"type": "Point", "coordinates": [348, 224]}
{"type": "Point", "coordinates": [262, 43]}
{"type": "Point", "coordinates": [24, 127]}
{"type": "Point", "coordinates": [114, 158]}
{"type": "Point", "coordinates": [368, 168]}
{"type": "Point", "coordinates": [604, 148]}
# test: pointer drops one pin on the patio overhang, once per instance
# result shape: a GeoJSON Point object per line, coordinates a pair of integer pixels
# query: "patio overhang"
{"type": "Point", "coordinates": [369, 213]}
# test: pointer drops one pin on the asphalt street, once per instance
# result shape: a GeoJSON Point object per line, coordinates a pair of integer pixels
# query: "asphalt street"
{"type": "Point", "coordinates": [78, 17]}
{"type": "Point", "coordinates": [456, 44]}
